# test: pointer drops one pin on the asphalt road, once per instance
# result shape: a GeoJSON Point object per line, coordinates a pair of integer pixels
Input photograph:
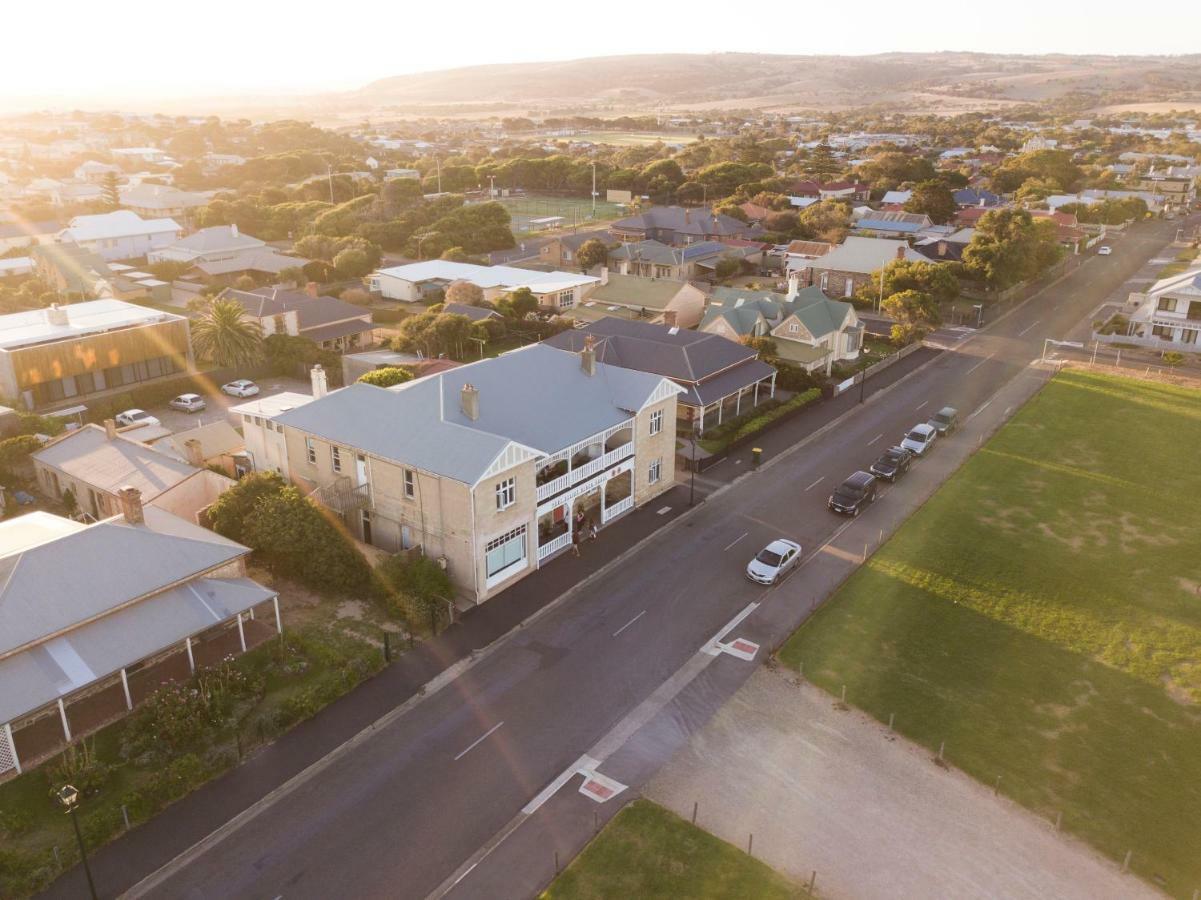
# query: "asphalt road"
{"type": "Point", "coordinates": [400, 813]}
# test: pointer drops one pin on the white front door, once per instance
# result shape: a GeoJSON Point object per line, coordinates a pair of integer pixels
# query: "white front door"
{"type": "Point", "coordinates": [360, 465]}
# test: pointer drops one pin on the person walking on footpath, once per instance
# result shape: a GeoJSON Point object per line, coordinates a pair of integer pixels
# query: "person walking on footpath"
{"type": "Point", "coordinates": [577, 537]}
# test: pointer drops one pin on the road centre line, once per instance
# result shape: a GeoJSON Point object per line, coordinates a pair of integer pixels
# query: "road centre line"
{"type": "Point", "coordinates": [979, 364]}
{"type": "Point", "coordinates": [1028, 327]}
{"type": "Point", "coordinates": [923, 403]}
{"type": "Point", "coordinates": [735, 541]}
{"type": "Point", "coordinates": [816, 483]}
{"type": "Point", "coordinates": [980, 410]}
{"type": "Point", "coordinates": [876, 438]}
{"type": "Point", "coordinates": [629, 623]}
{"type": "Point", "coordinates": [479, 740]}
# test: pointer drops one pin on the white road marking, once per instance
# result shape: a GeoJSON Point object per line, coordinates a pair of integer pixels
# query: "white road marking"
{"type": "Point", "coordinates": [816, 483]}
{"type": "Point", "coordinates": [980, 410]}
{"type": "Point", "coordinates": [713, 645]}
{"type": "Point", "coordinates": [1028, 327]}
{"type": "Point", "coordinates": [735, 541]}
{"type": "Point", "coordinates": [923, 403]}
{"type": "Point", "coordinates": [873, 440]}
{"type": "Point", "coordinates": [979, 364]}
{"type": "Point", "coordinates": [479, 740]}
{"type": "Point", "coordinates": [664, 511]}
{"type": "Point", "coordinates": [629, 623]}
{"type": "Point", "coordinates": [581, 764]}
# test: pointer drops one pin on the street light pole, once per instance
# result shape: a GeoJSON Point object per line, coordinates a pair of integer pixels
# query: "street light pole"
{"type": "Point", "coordinates": [329, 174]}
{"type": "Point", "coordinates": [68, 796]}
{"type": "Point", "coordinates": [594, 189]}
{"type": "Point", "coordinates": [692, 474]}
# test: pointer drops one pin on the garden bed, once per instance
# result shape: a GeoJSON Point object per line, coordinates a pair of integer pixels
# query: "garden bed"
{"type": "Point", "coordinates": [743, 429]}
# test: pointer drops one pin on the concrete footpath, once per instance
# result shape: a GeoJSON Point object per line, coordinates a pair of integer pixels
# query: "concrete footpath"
{"type": "Point", "coordinates": [122, 863]}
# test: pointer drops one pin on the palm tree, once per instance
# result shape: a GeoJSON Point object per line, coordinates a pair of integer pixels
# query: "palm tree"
{"type": "Point", "coordinates": [227, 336]}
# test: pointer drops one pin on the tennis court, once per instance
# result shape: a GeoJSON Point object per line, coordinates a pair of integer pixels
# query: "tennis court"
{"type": "Point", "coordinates": [531, 215]}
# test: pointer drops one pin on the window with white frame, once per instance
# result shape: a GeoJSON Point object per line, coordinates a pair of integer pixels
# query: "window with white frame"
{"type": "Point", "coordinates": [410, 483]}
{"type": "Point", "coordinates": [656, 421]}
{"type": "Point", "coordinates": [335, 457]}
{"type": "Point", "coordinates": [310, 450]}
{"type": "Point", "coordinates": [655, 472]}
{"type": "Point", "coordinates": [505, 553]}
{"type": "Point", "coordinates": [506, 493]}
{"type": "Point", "coordinates": [566, 299]}
{"type": "Point", "coordinates": [794, 327]}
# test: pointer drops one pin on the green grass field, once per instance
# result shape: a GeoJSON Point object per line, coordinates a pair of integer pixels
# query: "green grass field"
{"type": "Point", "coordinates": [632, 138]}
{"type": "Point", "coordinates": [1042, 615]}
{"type": "Point", "coordinates": [523, 210]}
{"type": "Point", "coordinates": [648, 852]}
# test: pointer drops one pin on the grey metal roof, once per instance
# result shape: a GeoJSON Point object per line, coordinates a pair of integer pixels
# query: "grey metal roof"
{"type": "Point", "coordinates": [727, 383]}
{"type": "Point", "coordinates": [311, 312]}
{"type": "Point", "coordinates": [474, 313]}
{"type": "Point", "coordinates": [43, 673]}
{"type": "Point", "coordinates": [336, 330]}
{"type": "Point", "coordinates": [111, 562]}
{"type": "Point", "coordinates": [536, 396]}
{"type": "Point", "coordinates": [88, 455]}
{"type": "Point", "coordinates": [679, 354]}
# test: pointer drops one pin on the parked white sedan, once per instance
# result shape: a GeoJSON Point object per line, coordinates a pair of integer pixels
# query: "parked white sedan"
{"type": "Point", "coordinates": [1104, 250]}
{"type": "Point", "coordinates": [243, 387]}
{"type": "Point", "coordinates": [919, 438]}
{"type": "Point", "coordinates": [136, 417]}
{"type": "Point", "coordinates": [189, 403]}
{"type": "Point", "coordinates": [774, 561]}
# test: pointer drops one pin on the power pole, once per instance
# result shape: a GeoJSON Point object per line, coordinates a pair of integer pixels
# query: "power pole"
{"type": "Point", "coordinates": [438, 163]}
{"type": "Point", "coordinates": [329, 173]}
{"type": "Point", "coordinates": [594, 189]}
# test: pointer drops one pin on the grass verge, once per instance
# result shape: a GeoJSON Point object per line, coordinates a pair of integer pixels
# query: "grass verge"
{"type": "Point", "coordinates": [1040, 615]}
{"type": "Point", "coordinates": [648, 852]}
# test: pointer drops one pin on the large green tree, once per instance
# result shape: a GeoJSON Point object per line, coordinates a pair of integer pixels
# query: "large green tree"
{"type": "Point", "coordinates": [1010, 246]}
{"type": "Point", "coordinates": [225, 334]}
{"type": "Point", "coordinates": [386, 376]}
{"type": "Point", "coordinates": [916, 314]}
{"type": "Point", "coordinates": [934, 199]}
{"type": "Point", "coordinates": [592, 252]}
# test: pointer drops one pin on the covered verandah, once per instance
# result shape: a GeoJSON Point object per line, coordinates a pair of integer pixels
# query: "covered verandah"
{"type": "Point", "coordinates": [726, 395]}
{"type": "Point", "coordinates": [59, 691]}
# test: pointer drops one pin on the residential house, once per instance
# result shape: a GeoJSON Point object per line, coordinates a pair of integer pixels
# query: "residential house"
{"type": "Point", "coordinates": [215, 444]}
{"type": "Point", "coordinates": [808, 329]}
{"type": "Point", "coordinates": [422, 281]}
{"type": "Point", "coordinates": [653, 259]}
{"type": "Point", "coordinates": [633, 297]}
{"type": "Point", "coordinates": [121, 234]}
{"type": "Point", "coordinates": [355, 365]}
{"type": "Point", "coordinates": [896, 198]}
{"type": "Point", "coordinates": [1168, 316]}
{"type": "Point", "coordinates": [95, 462]}
{"type": "Point", "coordinates": [474, 313]}
{"type": "Point", "coordinates": [560, 251]}
{"type": "Point", "coordinates": [678, 225]}
{"type": "Point", "coordinates": [978, 197]}
{"type": "Point", "coordinates": [892, 223]}
{"type": "Point", "coordinates": [263, 439]}
{"type": "Point", "coordinates": [1178, 192]}
{"type": "Point", "coordinates": [27, 234]}
{"type": "Point", "coordinates": [721, 378]}
{"type": "Point", "coordinates": [16, 266]}
{"type": "Point", "coordinates": [221, 254]}
{"type": "Point", "coordinates": [162, 201]}
{"type": "Point", "coordinates": [151, 155]}
{"type": "Point", "coordinates": [852, 191]}
{"type": "Point", "coordinates": [491, 467]}
{"type": "Point", "coordinates": [849, 266]}
{"type": "Point", "coordinates": [65, 354]}
{"type": "Point", "coordinates": [330, 323]}
{"type": "Point", "coordinates": [800, 251]}
{"type": "Point", "coordinates": [95, 172]}
{"type": "Point", "coordinates": [93, 618]}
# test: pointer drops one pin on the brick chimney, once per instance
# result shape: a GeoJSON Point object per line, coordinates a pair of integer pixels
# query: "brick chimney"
{"type": "Point", "coordinates": [588, 355]}
{"type": "Point", "coordinates": [193, 452]}
{"type": "Point", "coordinates": [233, 230]}
{"type": "Point", "coordinates": [110, 429]}
{"type": "Point", "coordinates": [469, 400]}
{"type": "Point", "coordinates": [669, 318]}
{"type": "Point", "coordinates": [57, 315]}
{"type": "Point", "coordinates": [131, 505]}
{"type": "Point", "coordinates": [604, 275]}
{"type": "Point", "coordinates": [901, 248]}
{"type": "Point", "coordinates": [794, 285]}
{"type": "Point", "coordinates": [942, 248]}
{"type": "Point", "coordinates": [311, 289]}
{"type": "Point", "coordinates": [319, 381]}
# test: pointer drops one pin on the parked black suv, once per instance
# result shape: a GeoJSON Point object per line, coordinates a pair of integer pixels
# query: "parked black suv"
{"type": "Point", "coordinates": [893, 464]}
{"type": "Point", "coordinates": [853, 494]}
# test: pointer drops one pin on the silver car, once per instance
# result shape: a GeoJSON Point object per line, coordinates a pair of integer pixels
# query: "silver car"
{"type": "Point", "coordinates": [136, 417]}
{"type": "Point", "coordinates": [774, 561]}
{"type": "Point", "coordinates": [189, 403]}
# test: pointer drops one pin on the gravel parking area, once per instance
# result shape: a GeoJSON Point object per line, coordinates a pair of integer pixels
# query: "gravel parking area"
{"type": "Point", "coordinates": [219, 403]}
{"type": "Point", "coordinates": [830, 790]}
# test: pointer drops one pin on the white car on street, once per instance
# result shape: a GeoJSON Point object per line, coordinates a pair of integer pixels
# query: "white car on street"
{"type": "Point", "coordinates": [1104, 250]}
{"type": "Point", "coordinates": [774, 561]}
{"type": "Point", "coordinates": [919, 438]}
{"type": "Point", "coordinates": [189, 403]}
{"type": "Point", "coordinates": [136, 417]}
{"type": "Point", "coordinates": [243, 387]}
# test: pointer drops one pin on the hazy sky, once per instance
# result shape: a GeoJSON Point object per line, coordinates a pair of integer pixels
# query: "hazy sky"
{"type": "Point", "coordinates": [125, 49]}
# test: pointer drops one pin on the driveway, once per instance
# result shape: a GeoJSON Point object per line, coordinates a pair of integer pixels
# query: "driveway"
{"type": "Point", "coordinates": [833, 792]}
{"type": "Point", "coordinates": [219, 403]}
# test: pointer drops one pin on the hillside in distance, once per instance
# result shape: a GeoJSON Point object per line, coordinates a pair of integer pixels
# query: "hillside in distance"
{"type": "Point", "coordinates": [925, 81]}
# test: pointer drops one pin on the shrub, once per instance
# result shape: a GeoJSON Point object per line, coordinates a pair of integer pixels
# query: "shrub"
{"type": "Point", "coordinates": [387, 376]}
{"type": "Point", "coordinates": [758, 420]}
{"type": "Point", "coordinates": [420, 588]}
{"type": "Point", "coordinates": [1172, 359]}
{"type": "Point", "coordinates": [387, 316]}
{"type": "Point", "coordinates": [15, 450]}
{"type": "Point", "coordinates": [229, 511]}
{"type": "Point", "coordinates": [79, 766]}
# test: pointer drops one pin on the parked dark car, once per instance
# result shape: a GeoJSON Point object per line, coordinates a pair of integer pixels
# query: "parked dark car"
{"type": "Point", "coordinates": [945, 420]}
{"type": "Point", "coordinates": [854, 494]}
{"type": "Point", "coordinates": [892, 464]}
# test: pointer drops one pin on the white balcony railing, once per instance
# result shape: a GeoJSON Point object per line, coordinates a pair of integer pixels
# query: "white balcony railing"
{"type": "Point", "coordinates": [617, 508]}
{"type": "Point", "coordinates": [587, 470]}
{"type": "Point", "coordinates": [553, 546]}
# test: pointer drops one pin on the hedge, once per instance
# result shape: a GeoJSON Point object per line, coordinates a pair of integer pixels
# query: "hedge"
{"type": "Point", "coordinates": [744, 427]}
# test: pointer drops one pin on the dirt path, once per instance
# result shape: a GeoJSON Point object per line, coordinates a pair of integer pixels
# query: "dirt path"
{"type": "Point", "coordinates": [831, 791]}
